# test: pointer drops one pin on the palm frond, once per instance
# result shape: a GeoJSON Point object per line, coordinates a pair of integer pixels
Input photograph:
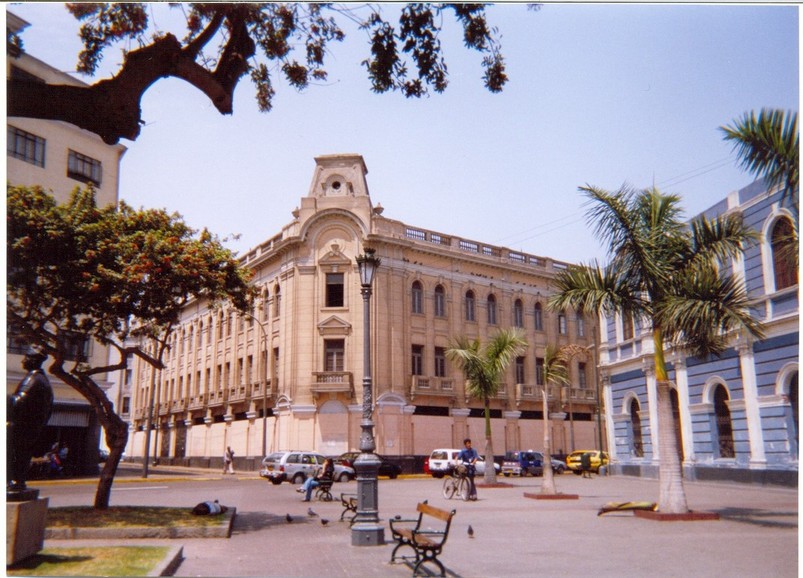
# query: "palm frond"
{"type": "Point", "coordinates": [704, 309]}
{"type": "Point", "coordinates": [591, 288]}
{"type": "Point", "coordinates": [768, 147]}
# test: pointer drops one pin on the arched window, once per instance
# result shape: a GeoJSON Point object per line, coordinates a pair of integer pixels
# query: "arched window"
{"type": "Point", "coordinates": [491, 310]}
{"type": "Point", "coordinates": [783, 254]}
{"type": "Point", "coordinates": [418, 297]}
{"type": "Point", "coordinates": [724, 429]}
{"type": "Point", "coordinates": [518, 314]}
{"type": "Point", "coordinates": [470, 306]}
{"type": "Point", "coordinates": [440, 301]}
{"type": "Point", "coordinates": [635, 423]}
{"type": "Point", "coordinates": [627, 326]}
{"type": "Point", "coordinates": [539, 317]}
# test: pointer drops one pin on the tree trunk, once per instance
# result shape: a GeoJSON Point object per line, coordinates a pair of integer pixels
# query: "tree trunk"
{"type": "Point", "coordinates": [116, 429]}
{"type": "Point", "coordinates": [672, 497]}
{"type": "Point", "coordinates": [490, 471]}
{"type": "Point", "coordinates": [548, 483]}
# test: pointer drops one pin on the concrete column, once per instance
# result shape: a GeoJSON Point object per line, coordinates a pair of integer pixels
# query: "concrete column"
{"type": "Point", "coordinates": [652, 400]}
{"type": "Point", "coordinates": [682, 382]}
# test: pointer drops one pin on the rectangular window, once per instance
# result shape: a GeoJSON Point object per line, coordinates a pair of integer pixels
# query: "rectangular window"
{"type": "Point", "coordinates": [539, 318]}
{"type": "Point", "coordinates": [581, 326]}
{"type": "Point", "coordinates": [440, 302]}
{"type": "Point", "coordinates": [440, 362]}
{"type": "Point", "coordinates": [126, 405]}
{"type": "Point", "coordinates": [581, 375]}
{"type": "Point", "coordinates": [627, 326]}
{"type": "Point", "coordinates": [539, 371]}
{"type": "Point", "coordinates": [418, 360]}
{"type": "Point", "coordinates": [334, 290]}
{"type": "Point", "coordinates": [75, 345]}
{"type": "Point", "coordinates": [520, 377]}
{"type": "Point", "coordinates": [562, 323]}
{"type": "Point", "coordinates": [334, 351]}
{"type": "Point", "coordinates": [83, 168]}
{"type": "Point", "coordinates": [469, 307]}
{"type": "Point", "coordinates": [25, 146]}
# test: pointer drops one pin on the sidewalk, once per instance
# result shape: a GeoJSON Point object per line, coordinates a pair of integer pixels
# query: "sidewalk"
{"type": "Point", "coordinates": [757, 534]}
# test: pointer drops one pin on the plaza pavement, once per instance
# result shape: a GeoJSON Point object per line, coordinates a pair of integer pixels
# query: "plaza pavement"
{"type": "Point", "coordinates": [757, 534]}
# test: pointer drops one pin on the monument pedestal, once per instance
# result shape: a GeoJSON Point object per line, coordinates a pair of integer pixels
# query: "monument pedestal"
{"type": "Point", "coordinates": [25, 528]}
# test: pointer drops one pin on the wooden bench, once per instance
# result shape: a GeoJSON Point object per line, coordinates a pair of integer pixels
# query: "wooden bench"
{"type": "Point", "coordinates": [323, 491]}
{"type": "Point", "coordinates": [349, 502]}
{"type": "Point", "coordinates": [426, 542]}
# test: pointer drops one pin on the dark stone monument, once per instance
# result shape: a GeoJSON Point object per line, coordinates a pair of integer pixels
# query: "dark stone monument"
{"type": "Point", "coordinates": [28, 410]}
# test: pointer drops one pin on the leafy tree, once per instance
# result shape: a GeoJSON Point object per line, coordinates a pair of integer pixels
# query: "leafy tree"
{"type": "Point", "coordinates": [664, 272]}
{"type": "Point", "coordinates": [226, 41]}
{"type": "Point", "coordinates": [483, 368]}
{"type": "Point", "coordinates": [114, 274]}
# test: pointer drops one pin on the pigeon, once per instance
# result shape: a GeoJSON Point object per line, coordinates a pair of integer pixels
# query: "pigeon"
{"type": "Point", "coordinates": [311, 512]}
{"type": "Point", "coordinates": [324, 521]}
{"type": "Point", "coordinates": [398, 517]}
{"type": "Point", "coordinates": [470, 531]}
{"type": "Point", "coordinates": [288, 517]}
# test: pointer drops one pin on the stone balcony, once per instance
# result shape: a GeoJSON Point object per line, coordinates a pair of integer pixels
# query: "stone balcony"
{"type": "Point", "coordinates": [332, 382]}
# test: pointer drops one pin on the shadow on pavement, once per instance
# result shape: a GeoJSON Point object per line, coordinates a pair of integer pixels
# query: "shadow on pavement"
{"type": "Point", "coordinates": [760, 517]}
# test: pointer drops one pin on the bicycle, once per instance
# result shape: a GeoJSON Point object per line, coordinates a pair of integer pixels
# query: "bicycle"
{"type": "Point", "coordinates": [457, 483]}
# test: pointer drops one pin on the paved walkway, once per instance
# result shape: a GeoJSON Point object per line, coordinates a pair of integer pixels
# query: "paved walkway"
{"type": "Point", "coordinates": [757, 534]}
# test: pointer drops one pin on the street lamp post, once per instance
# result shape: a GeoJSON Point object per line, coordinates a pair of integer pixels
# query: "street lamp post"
{"type": "Point", "coordinates": [367, 530]}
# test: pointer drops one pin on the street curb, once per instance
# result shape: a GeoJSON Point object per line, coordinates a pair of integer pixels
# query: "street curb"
{"type": "Point", "coordinates": [170, 564]}
{"type": "Point", "coordinates": [222, 530]}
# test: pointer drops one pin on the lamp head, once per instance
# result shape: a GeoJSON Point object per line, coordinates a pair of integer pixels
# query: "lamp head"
{"type": "Point", "coordinates": [367, 264]}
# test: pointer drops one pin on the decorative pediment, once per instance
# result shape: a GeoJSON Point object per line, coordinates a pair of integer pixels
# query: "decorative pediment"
{"type": "Point", "coordinates": [334, 257]}
{"type": "Point", "coordinates": [334, 325]}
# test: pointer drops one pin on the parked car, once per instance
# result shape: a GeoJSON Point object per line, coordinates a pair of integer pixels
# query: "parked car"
{"type": "Point", "coordinates": [386, 467]}
{"type": "Point", "coordinates": [442, 461]}
{"type": "Point", "coordinates": [598, 459]}
{"type": "Point", "coordinates": [295, 466]}
{"type": "Point", "coordinates": [529, 462]}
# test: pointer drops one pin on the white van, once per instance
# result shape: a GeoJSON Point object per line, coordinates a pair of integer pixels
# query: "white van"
{"type": "Point", "coordinates": [442, 461]}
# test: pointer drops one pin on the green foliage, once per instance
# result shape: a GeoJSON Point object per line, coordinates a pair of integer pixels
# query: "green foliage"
{"type": "Point", "coordinates": [484, 365]}
{"type": "Point", "coordinates": [101, 271]}
{"type": "Point", "coordinates": [280, 31]}
{"type": "Point", "coordinates": [662, 270]}
{"type": "Point", "coordinates": [92, 561]}
{"type": "Point", "coordinates": [768, 147]}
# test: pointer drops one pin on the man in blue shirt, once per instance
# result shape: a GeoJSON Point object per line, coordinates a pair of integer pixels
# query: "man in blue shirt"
{"type": "Point", "coordinates": [468, 456]}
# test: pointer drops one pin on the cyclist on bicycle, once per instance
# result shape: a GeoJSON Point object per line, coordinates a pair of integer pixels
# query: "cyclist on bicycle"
{"type": "Point", "coordinates": [468, 457]}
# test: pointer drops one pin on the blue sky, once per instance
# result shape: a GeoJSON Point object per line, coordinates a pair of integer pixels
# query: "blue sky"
{"type": "Point", "coordinates": [600, 94]}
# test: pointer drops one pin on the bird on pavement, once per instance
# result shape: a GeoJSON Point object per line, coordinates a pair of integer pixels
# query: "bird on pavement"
{"type": "Point", "coordinates": [470, 531]}
{"type": "Point", "coordinates": [288, 517]}
{"type": "Point", "coordinates": [324, 521]}
{"type": "Point", "coordinates": [311, 512]}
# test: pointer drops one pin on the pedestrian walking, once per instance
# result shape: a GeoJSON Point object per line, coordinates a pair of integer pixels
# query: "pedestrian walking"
{"type": "Point", "coordinates": [585, 464]}
{"type": "Point", "coordinates": [228, 461]}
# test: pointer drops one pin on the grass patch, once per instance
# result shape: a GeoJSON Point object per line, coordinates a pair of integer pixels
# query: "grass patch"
{"type": "Point", "coordinates": [106, 561]}
{"type": "Point", "coordinates": [127, 517]}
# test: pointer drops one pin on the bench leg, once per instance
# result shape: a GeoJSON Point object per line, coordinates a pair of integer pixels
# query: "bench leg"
{"type": "Point", "coordinates": [399, 545]}
{"type": "Point", "coordinates": [429, 556]}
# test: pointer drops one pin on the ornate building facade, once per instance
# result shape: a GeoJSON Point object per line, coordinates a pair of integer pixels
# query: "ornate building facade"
{"type": "Point", "coordinates": [288, 375]}
{"type": "Point", "coordinates": [736, 415]}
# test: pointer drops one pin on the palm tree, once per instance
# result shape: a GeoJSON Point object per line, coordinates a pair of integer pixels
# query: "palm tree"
{"type": "Point", "coordinates": [664, 272]}
{"type": "Point", "coordinates": [768, 147]}
{"type": "Point", "coordinates": [483, 367]}
{"type": "Point", "coordinates": [556, 372]}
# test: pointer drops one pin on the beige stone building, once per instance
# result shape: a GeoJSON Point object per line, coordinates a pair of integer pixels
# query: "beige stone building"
{"type": "Point", "coordinates": [59, 157]}
{"type": "Point", "coordinates": [290, 375]}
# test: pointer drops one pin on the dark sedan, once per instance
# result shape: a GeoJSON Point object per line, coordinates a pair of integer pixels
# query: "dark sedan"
{"type": "Point", "coordinates": [386, 467]}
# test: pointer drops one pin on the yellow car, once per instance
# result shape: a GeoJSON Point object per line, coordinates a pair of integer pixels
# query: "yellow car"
{"type": "Point", "coordinates": [573, 460]}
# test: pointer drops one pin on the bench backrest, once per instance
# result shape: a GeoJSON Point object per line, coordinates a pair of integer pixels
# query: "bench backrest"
{"type": "Point", "coordinates": [443, 515]}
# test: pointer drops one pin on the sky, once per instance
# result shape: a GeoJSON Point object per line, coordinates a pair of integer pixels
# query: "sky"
{"type": "Point", "coordinates": [599, 94]}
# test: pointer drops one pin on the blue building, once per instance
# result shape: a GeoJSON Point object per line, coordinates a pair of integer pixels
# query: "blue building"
{"type": "Point", "coordinates": [736, 415]}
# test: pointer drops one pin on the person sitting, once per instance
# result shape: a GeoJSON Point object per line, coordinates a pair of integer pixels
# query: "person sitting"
{"type": "Point", "coordinates": [325, 474]}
